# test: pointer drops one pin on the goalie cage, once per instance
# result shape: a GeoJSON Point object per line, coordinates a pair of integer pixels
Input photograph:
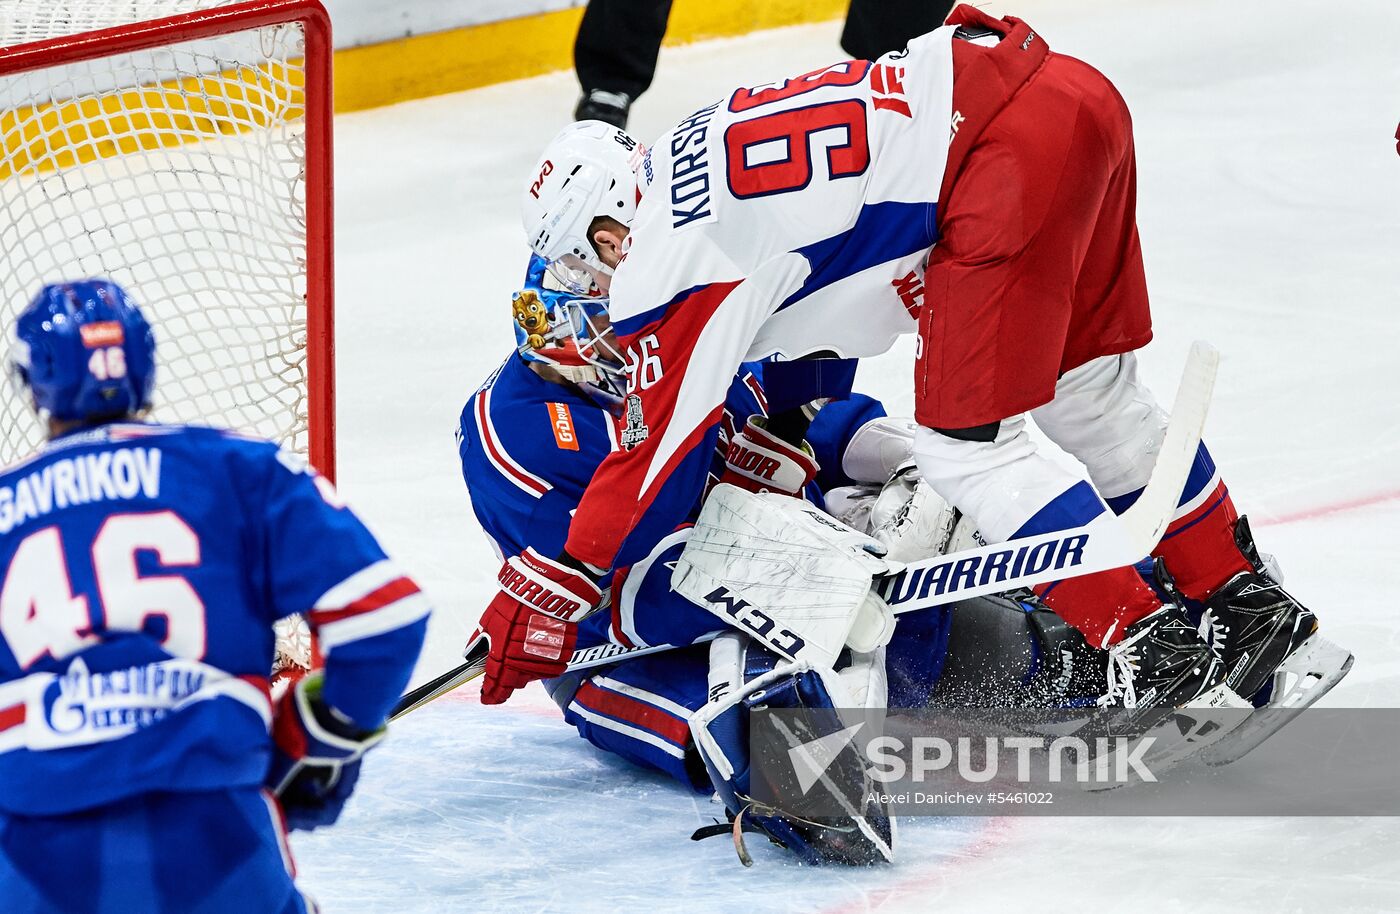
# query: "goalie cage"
{"type": "Point", "coordinates": [181, 148]}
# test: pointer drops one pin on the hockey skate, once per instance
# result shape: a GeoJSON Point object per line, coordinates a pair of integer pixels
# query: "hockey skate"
{"type": "Point", "coordinates": [1271, 648]}
{"type": "Point", "coordinates": [1253, 623]}
{"type": "Point", "coordinates": [1160, 676]}
{"type": "Point", "coordinates": [1162, 662]}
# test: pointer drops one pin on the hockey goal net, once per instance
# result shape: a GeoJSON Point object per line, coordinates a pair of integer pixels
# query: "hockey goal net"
{"type": "Point", "coordinates": [183, 149]}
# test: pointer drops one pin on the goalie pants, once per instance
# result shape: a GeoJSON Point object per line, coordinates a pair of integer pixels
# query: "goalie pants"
{"type": "Point", "coordinates": [216, 852]}
{"type": "Point", "coordinates": [965, 655]}
{"type": "Point", "coordinates": [640, 709]}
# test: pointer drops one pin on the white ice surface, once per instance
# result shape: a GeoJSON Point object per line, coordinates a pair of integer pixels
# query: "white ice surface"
{"type": "Point", "coordinates": [1268, 208]}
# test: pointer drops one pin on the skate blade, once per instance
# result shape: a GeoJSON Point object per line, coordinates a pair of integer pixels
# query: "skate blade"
{"type": "Point", "coordinates": [1179, 735]}
{"type": "Point", "coordinates": [1305, 675]}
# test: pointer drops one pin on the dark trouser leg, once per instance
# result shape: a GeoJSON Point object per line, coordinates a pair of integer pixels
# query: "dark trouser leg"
{"type": "Point", "coordinates": [618, 43]}
{"type": "Point", "coordinates": [875, 27]}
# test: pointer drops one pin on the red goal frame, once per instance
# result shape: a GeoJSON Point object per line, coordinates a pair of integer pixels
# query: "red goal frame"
{"type": "Point", "coordinates": [320, 214]}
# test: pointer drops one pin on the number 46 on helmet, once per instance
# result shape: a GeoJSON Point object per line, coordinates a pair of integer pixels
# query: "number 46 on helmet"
{"type": "Point", "coordinates": [84, 352]}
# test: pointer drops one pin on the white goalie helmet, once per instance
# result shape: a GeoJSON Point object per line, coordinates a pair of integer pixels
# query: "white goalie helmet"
{"type": "Point", "coordinates": [588, 170]}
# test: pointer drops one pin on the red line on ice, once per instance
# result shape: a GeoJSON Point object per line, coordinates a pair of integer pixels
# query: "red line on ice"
{"type": "Point", "coordinates": [521, 703]}
{"type": "Point", "coordinates": [994, 834]}
{"type": "Point", "coordinates": [1351, 504]}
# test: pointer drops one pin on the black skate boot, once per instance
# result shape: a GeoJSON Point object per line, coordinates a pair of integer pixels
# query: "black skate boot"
{"type": "Point", "coordinates": [1271, 646]}
{"type": "Point", "coordinates": [1254, 624]}
{"type": "Point", "coordinates": [601, 105]}
{"type": "Point", "coordinates": [1164, 680]}
{"type": "Point", "coordinates": [1162, 662]}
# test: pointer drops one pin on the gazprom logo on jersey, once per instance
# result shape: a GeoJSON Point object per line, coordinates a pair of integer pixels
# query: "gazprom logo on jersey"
{"type": "Point", "coordinates": [990, 567]}
{"type": "Point", "coordinates": [82, 707]}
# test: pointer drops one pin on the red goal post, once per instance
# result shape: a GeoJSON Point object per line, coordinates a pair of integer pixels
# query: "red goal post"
{"type": "Point", "coordinates": [189, 157]}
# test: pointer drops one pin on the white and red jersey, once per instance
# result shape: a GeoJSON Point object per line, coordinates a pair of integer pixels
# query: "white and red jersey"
{"type": "Point", "coordinates": [786, 203]}
{"type": "Point", "coordinates": [785, 219]}
{"type": "Point", "coordinates": [801, 217]}
{"type": "Point", "coordinates": [983, 196]}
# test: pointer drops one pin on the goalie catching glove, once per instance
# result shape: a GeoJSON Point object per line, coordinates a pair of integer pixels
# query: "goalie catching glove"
{"type": "Point", "coordinates": [914, 522]}
{"type": "Point", "coordinates": [532, 624]}
{"type": "Point", "coordinates": [759, 461]}
{"type": "Point", "coordinates": [316, 755]}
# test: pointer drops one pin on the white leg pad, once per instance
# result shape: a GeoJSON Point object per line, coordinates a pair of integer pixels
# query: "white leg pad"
{"type": "Point", "coordinates": [785, 573]}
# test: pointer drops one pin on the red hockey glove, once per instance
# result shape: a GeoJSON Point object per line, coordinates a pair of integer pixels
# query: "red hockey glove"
{"type": "Point", "coordinates": [532, 623]}
{"type": "Point", "coordinates": [759, 461]}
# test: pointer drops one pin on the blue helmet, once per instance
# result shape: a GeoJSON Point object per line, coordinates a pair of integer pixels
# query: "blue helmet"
{"type": "Point", "coordinates": [568, 332]}
{"type": "Point", "coordinates": [85, 351]}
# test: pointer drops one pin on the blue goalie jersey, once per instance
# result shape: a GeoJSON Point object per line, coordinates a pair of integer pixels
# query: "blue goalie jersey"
{"type": "Point", "coordinates": [141, 569]}
{"type": "Point", "coordinates": [529, 448]}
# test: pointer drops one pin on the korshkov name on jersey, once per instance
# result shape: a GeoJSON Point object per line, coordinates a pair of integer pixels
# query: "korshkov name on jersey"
{"type": "Point", "coordinates": [105, 476]}
{"type": "Point", "coordinates": [80, 707]}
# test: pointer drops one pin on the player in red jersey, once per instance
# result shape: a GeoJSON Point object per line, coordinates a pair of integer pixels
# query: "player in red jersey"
{"type": "Point", "coordinates": [976, 188]}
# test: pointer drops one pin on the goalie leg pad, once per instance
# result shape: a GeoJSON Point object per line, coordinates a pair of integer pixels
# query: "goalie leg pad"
{"type": "Point", "coordinates": [745, 676]}
{"type": "Point", "coordinates": [1016, 654]}
{"type": "Point", "coordinates": [786, 573]}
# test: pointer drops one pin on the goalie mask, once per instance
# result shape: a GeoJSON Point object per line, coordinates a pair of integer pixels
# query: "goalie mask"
{"type": "Point", "coordinates": [570, 333]}
{"type": "Point", "coordinates": [588, 170]}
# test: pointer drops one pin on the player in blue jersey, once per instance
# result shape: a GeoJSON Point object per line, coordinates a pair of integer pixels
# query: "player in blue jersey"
{"type": "Point", "coordinates": [532, 436]}
{"type": "Point", "coordinates": [143, 764]}
{"type": "Point", "coordinates": [530, 440]}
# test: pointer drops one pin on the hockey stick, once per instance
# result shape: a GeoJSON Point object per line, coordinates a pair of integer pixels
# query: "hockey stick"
{"type": "Point", "coordinates": [474, 658]}
{"type": "Point", "coordinates": [1109, 541]}
{"type": "Point", "coordinates": [474, 665]}
{"type": "Point", "coordinates": [760, 594]}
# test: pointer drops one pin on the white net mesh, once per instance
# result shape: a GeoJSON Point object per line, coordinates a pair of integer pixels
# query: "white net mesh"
{"type": "Point", "coordinates": [180, 173]}
{"type": "Point", "coordinates": [26, 21]}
